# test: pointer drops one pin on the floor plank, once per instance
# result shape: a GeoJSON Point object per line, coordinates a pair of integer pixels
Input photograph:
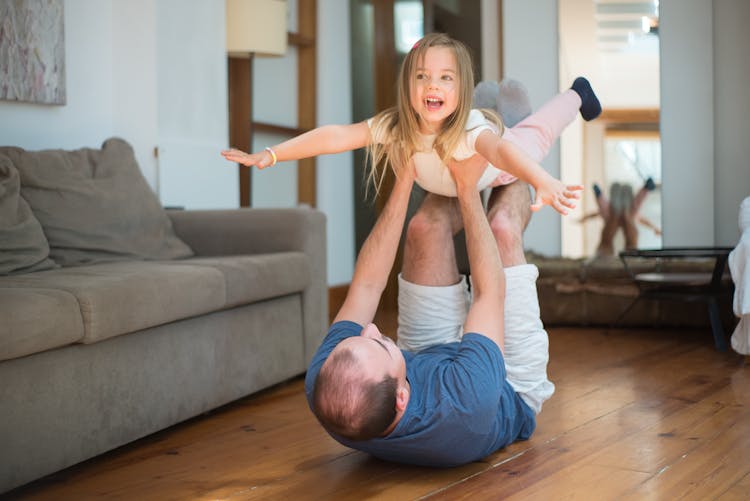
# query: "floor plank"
{"type": "Point", "coordinates": [637, 414]}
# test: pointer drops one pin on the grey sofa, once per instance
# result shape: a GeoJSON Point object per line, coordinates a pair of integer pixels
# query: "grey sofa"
{"type": "Point", "coordinates": [94, 356]}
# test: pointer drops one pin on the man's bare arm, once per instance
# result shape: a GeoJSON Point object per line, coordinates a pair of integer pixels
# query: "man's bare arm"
{"type": "Point", "coordinates": [377, 255]}
{"type": "Point", "coordinates": [488, 279]}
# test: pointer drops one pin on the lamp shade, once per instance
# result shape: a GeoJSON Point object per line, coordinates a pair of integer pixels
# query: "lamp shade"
{"type": "Point", "coordinates": [257, 26]}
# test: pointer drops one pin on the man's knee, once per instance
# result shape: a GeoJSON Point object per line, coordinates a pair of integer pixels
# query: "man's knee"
{"type": "Point", "coordinates": [506, 225]}
{"type": "Point", "coordinates": [426, 226]}
{"type": "Point", "coordinates": [510, 206]}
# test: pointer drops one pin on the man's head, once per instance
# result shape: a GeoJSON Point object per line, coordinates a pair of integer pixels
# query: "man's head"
{"type": "Point", "coordinates": [361, 389]}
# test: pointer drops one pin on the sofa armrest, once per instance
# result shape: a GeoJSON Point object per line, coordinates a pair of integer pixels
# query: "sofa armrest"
{"type": "Point", "coordinates": [262, 231]}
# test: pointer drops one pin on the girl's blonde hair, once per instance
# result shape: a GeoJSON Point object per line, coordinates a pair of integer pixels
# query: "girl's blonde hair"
{"type": "Point", "coordinates": [400, 124]}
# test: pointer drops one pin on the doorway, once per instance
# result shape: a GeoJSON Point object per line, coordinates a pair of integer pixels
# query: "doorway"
{"type": "Point", "coordinates": [382, 34]}
{"type": "Point", "coordinates": [616, 46]}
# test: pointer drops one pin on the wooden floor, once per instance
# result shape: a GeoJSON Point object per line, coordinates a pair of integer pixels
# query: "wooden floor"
{"type": "Point", "coordinates": [638, 414]}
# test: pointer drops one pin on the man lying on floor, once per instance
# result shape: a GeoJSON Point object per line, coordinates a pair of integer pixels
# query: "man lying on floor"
{"type": "Point", "coordinates": [475, 373]}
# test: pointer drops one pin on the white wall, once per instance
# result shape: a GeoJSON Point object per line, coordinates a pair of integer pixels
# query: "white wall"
{"type": "Point", "coordinates": [191, 104]}
{"type": "Point", "coordinates": [134, 73]}
{"type": "Point", "coordinates": [87, 117]}
{"type": "Point", "coordinates": [152, 72]}
{"type": "Point", "coordinates": [489, 15]}
{"type": "Point", "coordinates": [335, 176]}
{"type": "Point", "coordinates": [687, 122]}
{"type": "Point", "coordinates": [530, 54]}
{"type": "Point", "coordinates": [731, 115]}
{"type": "Point", "coordinates": [704, 125]}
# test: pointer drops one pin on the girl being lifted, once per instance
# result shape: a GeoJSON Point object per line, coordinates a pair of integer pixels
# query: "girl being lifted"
{"type": "Point", "coordinates": [433, 121]}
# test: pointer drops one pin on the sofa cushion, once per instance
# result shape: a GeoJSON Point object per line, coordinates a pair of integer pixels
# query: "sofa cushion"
{"type": "Point", "coordinates": [95, 205]}
{"type": "Point", "coordinates": [261, 276]}
{"type": "Point", "coordinates": [23, 246]}
{"type": "Point", "coordinates": [37, 319]}
{"type": "Point", "coordinates": [119, 298]}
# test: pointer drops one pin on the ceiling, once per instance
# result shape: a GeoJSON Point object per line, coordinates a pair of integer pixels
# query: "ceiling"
{"type": "Point", "coordinates": [627, 25]}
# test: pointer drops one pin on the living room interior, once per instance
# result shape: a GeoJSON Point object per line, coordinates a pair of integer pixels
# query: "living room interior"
{"type": "Point", "coordinates": [157, 74]}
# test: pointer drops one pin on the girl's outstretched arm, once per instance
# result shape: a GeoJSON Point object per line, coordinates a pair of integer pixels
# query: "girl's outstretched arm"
{"type": "Point", "coordinates": [590, 215]}
{"type": "Point", "coordinates": [508, 157]}
{"type": "Point", "coordinates": [320, 141]}
{"type": "Point", "coordinates": [648, 224]}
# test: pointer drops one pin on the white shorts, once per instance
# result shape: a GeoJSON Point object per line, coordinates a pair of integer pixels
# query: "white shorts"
{"type": "Point", "coordinates": [435, 315]}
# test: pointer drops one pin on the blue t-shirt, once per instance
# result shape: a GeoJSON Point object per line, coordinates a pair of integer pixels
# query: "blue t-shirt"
{"type": "Point", "coordinates": [461, 407]}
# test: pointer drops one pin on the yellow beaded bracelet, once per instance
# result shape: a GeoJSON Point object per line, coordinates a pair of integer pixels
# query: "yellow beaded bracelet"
{"type": "Point", "coordinates": [273, 156]}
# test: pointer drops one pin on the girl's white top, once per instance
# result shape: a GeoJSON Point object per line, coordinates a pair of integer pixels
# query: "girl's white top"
{"type": "Point", "coordinates": [433, 175]}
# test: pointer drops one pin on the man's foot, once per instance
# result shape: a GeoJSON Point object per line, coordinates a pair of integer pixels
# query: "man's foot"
{"type": "Point", "coordinates": [513, 102]}
{"type": "Point", "coordinates": [485, 94]}
{"type": "Point", "coordinates": [508, 97]}
{"type": "Point", "coordinates": [590, 106]}
{"type": "Point", "coordinates": [597, 190]}
{"type": "Point", "coordinates": [650, 184]}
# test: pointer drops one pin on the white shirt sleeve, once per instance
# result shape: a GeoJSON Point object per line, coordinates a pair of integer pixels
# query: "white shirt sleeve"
{"type": "Point", "coordinates": [379, 135]}
{"type": "Point", "coordinates": [477, 124]}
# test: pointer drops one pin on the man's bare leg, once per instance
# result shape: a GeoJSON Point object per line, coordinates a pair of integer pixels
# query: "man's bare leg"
{"type": "Point", "coordinates": [509, 213]}
{"type": "Point", "coordinates": [630, 230]}
{"type": "Point", "coordinates": [607, 240]}
{"type": "Point", "coordinates": [526, 343]}
{"type": "Point", "coordinates": [602, 202]}
{"type": "Point", "coordinates": [432, 297]}
{"type": "Point", "coordinates": [429, 256]}
{"type": "Point", "coordinates": [641, 195]}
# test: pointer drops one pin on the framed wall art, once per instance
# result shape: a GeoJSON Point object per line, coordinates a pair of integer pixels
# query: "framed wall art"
{"type": "Point", "coordinates": [32, 51]}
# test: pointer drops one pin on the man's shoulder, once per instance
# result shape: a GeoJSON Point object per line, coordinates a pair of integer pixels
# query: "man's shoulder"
{"type": "Point", "coordinates": [337, 332]}
{"type": "Point", "coordinates": [343, 326]}
{"type": "Point", "coordinates": [476, 338]}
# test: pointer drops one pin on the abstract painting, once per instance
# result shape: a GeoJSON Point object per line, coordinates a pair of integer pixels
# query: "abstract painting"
{"type": "Point", "coordinates": [32, 51]}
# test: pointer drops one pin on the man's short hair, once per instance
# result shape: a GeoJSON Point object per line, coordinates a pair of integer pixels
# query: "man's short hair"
{"type": "Point", "coordinates": [350, 406]}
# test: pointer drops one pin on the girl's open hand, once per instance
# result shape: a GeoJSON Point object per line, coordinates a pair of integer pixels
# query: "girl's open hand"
{"type": "Point", "coordinates": [260, 160]}
{"type": "Point", "coordinates": [559, 196]}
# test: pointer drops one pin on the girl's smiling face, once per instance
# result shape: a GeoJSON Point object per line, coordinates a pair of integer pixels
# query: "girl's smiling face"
{"type": "Point", "coordinates": [435, 88]}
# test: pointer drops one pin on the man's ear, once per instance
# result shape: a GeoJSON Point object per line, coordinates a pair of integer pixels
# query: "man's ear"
{"type": "Point", "coordinates": [402, 398]}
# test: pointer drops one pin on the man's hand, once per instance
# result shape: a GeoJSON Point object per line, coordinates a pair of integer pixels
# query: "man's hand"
{"type": "Point", "coordinates": [466, 173]}
{"type": "Point", "coordinates": [407, 174]}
